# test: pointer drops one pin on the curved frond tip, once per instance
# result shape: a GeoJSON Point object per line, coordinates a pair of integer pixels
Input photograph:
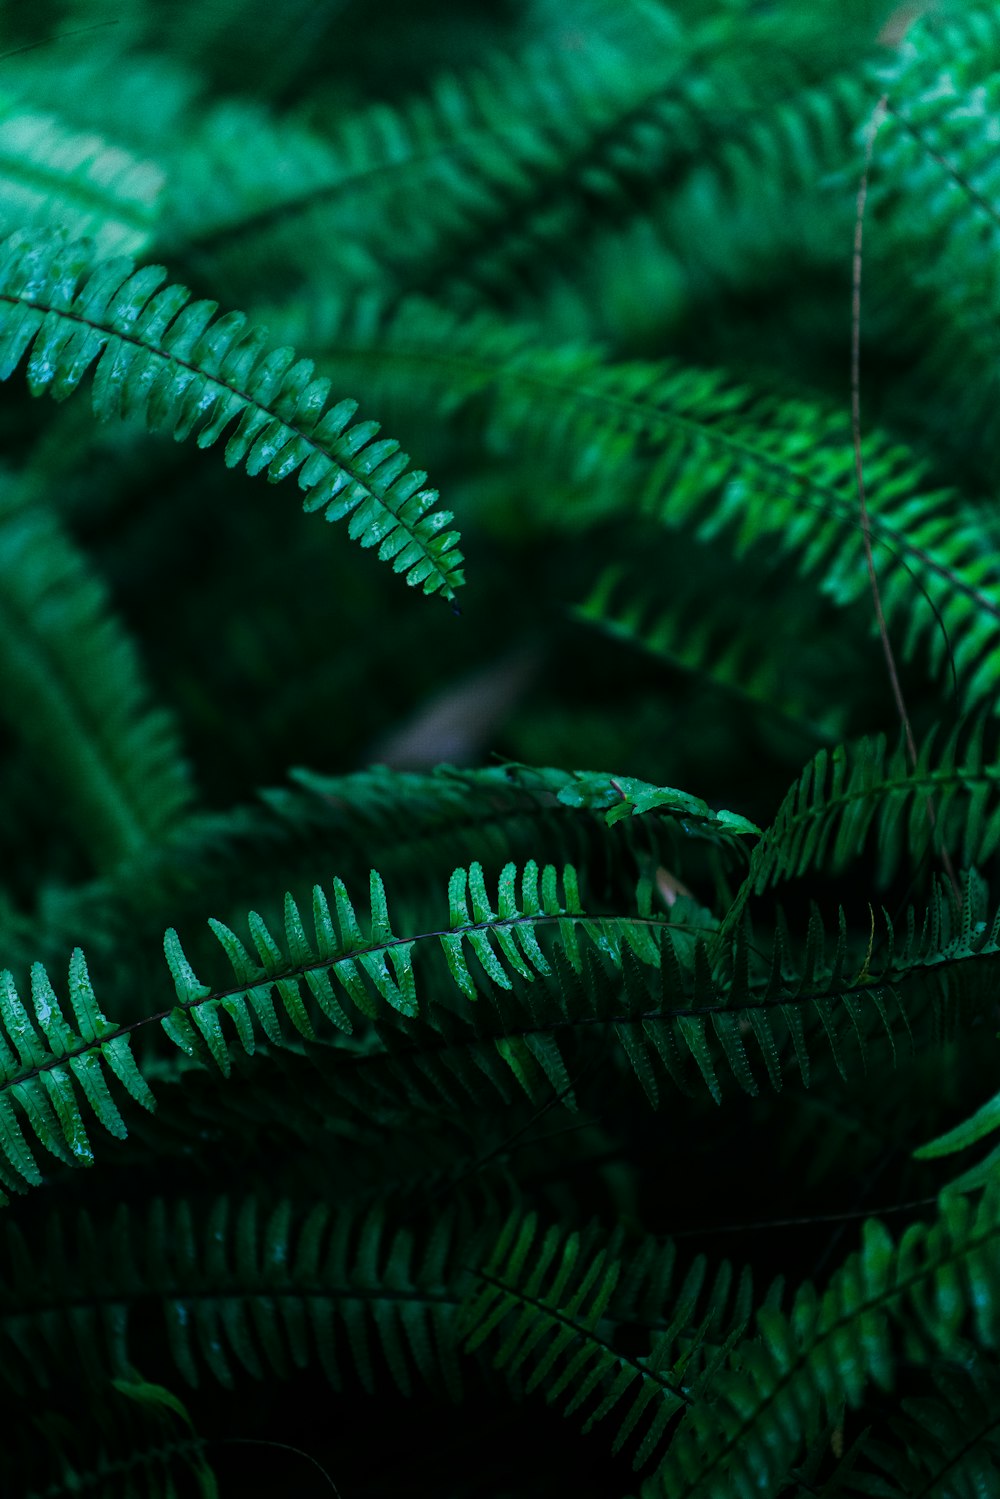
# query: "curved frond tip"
{"type": "Point", "coordinates": [178, 367]}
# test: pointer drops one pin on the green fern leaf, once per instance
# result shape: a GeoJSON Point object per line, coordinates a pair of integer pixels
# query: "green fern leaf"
{"type": "Point", "coordinates": [171, 362]}
{"type": "Point", "coordinates": [864, 791]}
{"type": "Point", "coordinates": [47, 1064]}
{"type": "Point", "coordinates": [53, 175]}
{"type": "Point", "coordinates": [938, 1283]}
{"type": "Point", "coordinates": [242, 1289]}
{"type": "Point", "coordinates": [379, 966]}
{"type": "Point", "coordinates": [552, 1305]}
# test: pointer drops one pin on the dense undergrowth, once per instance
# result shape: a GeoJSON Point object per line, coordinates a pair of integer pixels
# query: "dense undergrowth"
{"type": "Point", "coordinates": [530, 1032]}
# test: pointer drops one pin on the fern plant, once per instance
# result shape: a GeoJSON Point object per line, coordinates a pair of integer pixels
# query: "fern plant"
{"type": "Point", "coordinates": [553, 1033]}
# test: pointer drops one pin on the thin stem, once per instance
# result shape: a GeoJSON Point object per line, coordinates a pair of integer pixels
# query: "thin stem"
{"type": "Point", "coordinates": [878, 118]}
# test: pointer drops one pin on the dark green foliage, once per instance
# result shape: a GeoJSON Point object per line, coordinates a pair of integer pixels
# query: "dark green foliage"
{"type": "Point", "coordinates": [450, 1063]}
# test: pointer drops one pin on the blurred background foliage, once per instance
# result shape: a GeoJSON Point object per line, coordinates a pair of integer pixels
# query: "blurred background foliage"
{"type": "Point", "coordinates": [590, 261]}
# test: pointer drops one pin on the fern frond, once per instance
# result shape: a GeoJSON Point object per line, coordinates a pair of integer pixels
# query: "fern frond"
{"type": "Point", "coordinates": [314, 199]}
{"type": "Point", "coordinates": [378, 965]}
{"type": "Point", "coordinates": [73, 691]}
{"type": "Point", "coordinates": [945, 1442]}
{"type": "Point", "coordinates": [612, 798]}
{"type": "Point", "coordinates": [240, 1289]}
{"type": "Point", "coordinates": [675, 1001]}
{"type": "Point", "coordinates": [678, 999]}
{"type": "Point", "coordinates": [51, 175]}
{"type": "Point", "coordinates": [553, 1301]}
{"type": "Point", "coordinates": [170, 362]}
{"type": "Point", "coordinates": [936, 216]}
{"type": "Point", "coordinates": [699, 630]}
{"type": "Point", "coordinates": [47, 1064]}
{"type": "Point", "coordinates": [635, 123]}
{"type": "Point", "coordinates": [411, 824]}
{"type": "Point", "coordinates": [619, 797]}
{"type": "Point", "coordinates": [136, 1446]}
{"type": "Point", "coordinates": [693, 449]}
{"type": "Point", "coordinates": [939, 1284]}
{"type": "Point", "coordinates": [865, 797]}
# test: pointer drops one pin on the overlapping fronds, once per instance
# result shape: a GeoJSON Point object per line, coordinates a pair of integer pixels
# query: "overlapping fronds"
{"type": "Point", "coordinates": [498, 1040]}
{"type": "Point", "coordinates": [865, 796]}
{"type": "Point", "coordinates": [314, 199]}
{"type": "Point", "coordinates": [172, 363]}
{"type": "Point", "coordinates": [137, 1446]}
{"type": "Point", "coordinates": [673, 1000]}
{"type": "Point", "coordinates": [306, 198]}
{"type": "Point", "coordinates": [635, 122]}
{"type": "Point", "coordinates": [945, 1442]}
{"type": "Point", "coordinates": [375, 964]}
{"type": "Point", "coordinates": [555, 1301]}
{"type": "Point", "coordinates": [939, 1285]}
{"type": "Point", "coordinates": [695, 449]}
{"type": "Point", "coordinates": [240, 1289]}
{"type": "Point", "coordinates": [408, 823]}
{"type": "Point", "coordinates": [680, 1003]}
{"type": "Point", "coordinates": [936, 209]}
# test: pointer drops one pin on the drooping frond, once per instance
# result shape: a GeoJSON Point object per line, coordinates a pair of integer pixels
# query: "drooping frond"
{"type": "Point", "coordinates": [693, 449]}
{"type": "Point", "coordinates": [170, 362]}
